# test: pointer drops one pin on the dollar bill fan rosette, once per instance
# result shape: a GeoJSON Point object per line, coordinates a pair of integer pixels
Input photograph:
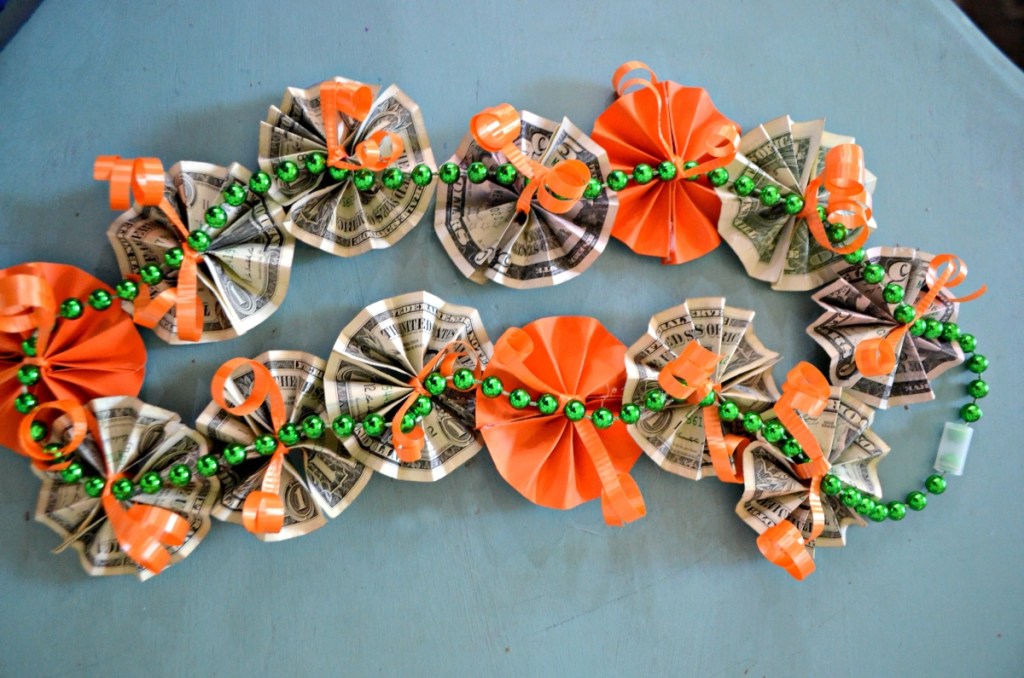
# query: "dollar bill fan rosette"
{"type": "Point", "coordinates": [774, 492]}
{"type": "Point", "coordinates": [242, 254]}
{"type": "Point", "coordinates": [379, 367]}
{"type": "Point", "coordinates": [284, 473]}
{"type": "Point", "coordinates": [780, 160]}
{"type": "Point", "coordinates": [325, 207]}
{"type": "Point", "coordinates": [115, 526]}
{"type": "Point", "coordinates": [659, 128]}
{"type": "Point", "coordinates": [686, 437]}
{"type": "Point", "coordinates": [516, 215]}
{"type": "Point", "coordinates": [561, 458]}
{"type": "Point", "coordinates": [99, 353]}
{"type": "Point", "coordinates": [856, 312]}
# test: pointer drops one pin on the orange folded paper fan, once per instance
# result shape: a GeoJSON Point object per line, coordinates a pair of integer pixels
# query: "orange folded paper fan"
{"type": "Point", "coordinates": [98, 353]}
{"type": "Point", "coordinates": [665, 138]}
{"type": "Point", "coordinates": [550, 427]}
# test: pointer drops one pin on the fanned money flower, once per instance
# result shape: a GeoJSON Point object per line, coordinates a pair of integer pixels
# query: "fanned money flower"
{"type": "Point", "coordinates": [762, 201]}
{"type": "Point", "coordinates": [326, 206]}
{"type": "Point", "coordinates": [483, 228]}
{"type": "Point", "coordinates": [128, 475]}
{"type": "Point", "coordinates": [773, 492]}
{"type": "Point", "coordinates": [857, 310]}
{"type": "Point", "coordinates": [246, 253]}
{"type": "Point", "coordinates": [675, 437]}
{"type": "Point", "coordinates": [380, 363]}
{"type": "Point", "coordinates": [318, 477]}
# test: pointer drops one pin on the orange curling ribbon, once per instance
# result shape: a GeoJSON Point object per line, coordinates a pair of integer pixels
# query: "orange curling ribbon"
{"type": "Point", "coordinates": [144, 532]}
{"type": "Point", "coordinates": [805, 390]}
{"type": "Point", "coordinates": [355, 100]}
{"type": "Point", "coordinates": [848, 201]}
{"type": "Point", "coordinates": [785, 546]}
{"type": "Point", "coordinates": [42, 459]}
{"type": "Point", "coordinates": [27, 303]}
{"type": "Point", "coordinates": [558, 188]}
{"type": "Point", "coordinates": [263, 510]}
{"type": "Point", "coordinates": [143, 179]}
{"type": "Point", "coordinates": [877, 356]}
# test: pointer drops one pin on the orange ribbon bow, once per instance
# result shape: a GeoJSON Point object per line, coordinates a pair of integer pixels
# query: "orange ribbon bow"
{"type": "Point", "coordinates": [688, 377]}
{"type": "Point", "coordinates": [784, 545]}
{"type": "Point", "coordinates": [143, 179]}
{"type": "Point", "coordinates": [354, 99]}
{"type": "Point", "coordinates": [263, 510]}
{"type": "Point", "coordinates": [805, 390]}
{"type": "Point", "coordinates": [848, 201]}
{"type": "Point", "coordinates": [558, 188]}
{"type": "Point", "coordinates": [144, 532]}
{"type": "Point", "coordinates": [877, 356]}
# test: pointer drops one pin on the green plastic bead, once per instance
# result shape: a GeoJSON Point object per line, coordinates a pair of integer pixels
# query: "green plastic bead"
{"type": "Point", "coordinates": [72, 473]}
{"type": "Point", "coordinates": [38, 430]}
{"type": "Point", "coordinates": [448, 172]}
{"type": "Point", "coordinates": [977, 388]}
{"type": "Point", "coordinates": [617, 180]}
{"type": "Point", "coordinates": [199, 241]}
{"type": "Point", "coordinates": [707, 400]}
{"type": "Point", "coordinates": [340, 174]}
{"type": "Point", "coordinates": [593, 189]}
{"type": "Point", "coordinates": [977, 363]}
{"type": "Point", "coordinates": [643, 173]}
{"type": "Point", "coordinates": [71, 309]}
{"type": "Point", "coordinates": [519, 398]}
{"type": "Point", "coordinates": [100, 300]}
{"type": "Point", "coordinates": [752, 422]}
{"type": "Point", "coordinates": [216, 217]}
{"type": "Point", "coordinates": [718, 176]}
{"type": "Point", "coordinates": [667, 170]}
{"type": "Point", "coordinates": [374, 425]}
{"type": "Point", "coordinates": [28, 375]}
{"type": "Point", "coordinates": [316, 162]}
{"type": "Point", "coordinates": [933, 328]}
{"type": "Point", "coordinates": [235, 194]}
{"type": "Point", "coordinates": [968, 342]}
{"type": "Point", "coordinates": [179, 475]}
{"type": "Point", "coordinates": [122, 489]}
{"type": "Point", "coordinates": [265, 444]}
{"type": "Point", "coordinates": [822, 212]}
{"type": "Point", "coordinates": [127, 290]}
{"type": "Point", "coordinates": [423, 406]}
{"type": "Point", "coordinates": [94, 486]}
{"type": "Point", "coordinates": [893, 293]}
{"type": "Point", "coordinates": [435, 383]}
{"type": "Point", "coordinates": [476, 172]}
{"type": "Point", "coordinates": [259, 183]}
{"type": "Point", "coordinates": [393, 178]}
{"type": "Point", "coordinates": [743, 186]}
{"type": "Point", "coordinates": [547, 404]}
{"type": "Point", "coordinates": [791, 447]}
{"type": "Point", "coordinates": [851, 496]}
{"type": "Point", "coordinates": [837, 233]}
{"type": "Point", "coordinates": [831, 485]}
{"type": "Point", "coordinates": [234, 454]}
{"type": "Point", "coordinates": [574, 410]}
{"type": "Point", "coordinates": [728, 411]}
{"type": "Point", "coordinates": [794, 204]}
{"type": "Point", "coordinates": [463, 379]}
{"type": "Point", "coordinates": [151, 274]}
{"type": "Point", "coordinates": [917, 500]}
{"type": "Point", "coordinates": [897, 510]}
{"type": "Point", "coordinates": [287, 171]}
{"type": "Point", "coordinates": [773, 431]}
{"type": "Point", "coordinates": [855, 257]}
{"type": "Point", "coordinates": [629, 414]}
{"type": "Point", "coordinates": [151, 483]}
{"type": "Point", "coordinates": [207, 465]}
{"type": "Point", "coordinates": [689, 165]}
{"type": "Point", "coordinates": [769, 196]}
{"type": "Point", "coordinates": [950, 332]}
{"type": "Point", "coordinates": [421, 175]}
{"type": "Point", "coordinates": [873, 273]}
{"type": "Point", "coordinates": [25, 403]}
{"type": "Point", "coordinates": [408, 422]}
{"type": "Point", "coordinates": [288, 434]}
{"type": "Point", "coordinates": [506, 174]}
{"type": "Point", "coordinates": [970, 413]}
{"type": "Point", "coordinates": [363, 179]}
{"type": "Point", "coordinates": [919, 327]}
{"type": "Point", "coordinates": [904, 313]}
{"type": "Point", "coordinates": [343, 425]}
{"type": "Point", "coordinates": [53, 449]}
{"type": "Point", "coordinates": [313, 427]}
{"type": "Point", "coordinates": [491, 387]}
{"type": "Point", "coordinates": [879, 513]}
{"type": "Point", "coordinates": [602, 418]}
{"type": "Point", "coordinates": [655, 400]}
{"type": "Point", "coordinates": [865, 506]}
{"type": "Point", "coordinates": [935, 484]}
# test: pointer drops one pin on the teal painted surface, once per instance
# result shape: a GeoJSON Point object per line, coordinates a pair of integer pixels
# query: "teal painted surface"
{"type": "Point", "coordinates": [464, 577]}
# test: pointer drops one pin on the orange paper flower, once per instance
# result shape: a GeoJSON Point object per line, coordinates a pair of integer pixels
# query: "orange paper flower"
{"type": "Point", "coordinates": [549, 459]}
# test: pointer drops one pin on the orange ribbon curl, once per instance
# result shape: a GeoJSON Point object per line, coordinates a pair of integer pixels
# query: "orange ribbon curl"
{"type": "Point", "coordinates": [42, 459]}
{"type": "Point", "coordinates": [354, 99]}
{"type": "Point", "coordinates": [143, 179]}
{"type": "Point", "coordinates": [558, 188]}
{"type": "Point", "coordinates": [263, 510]}
{"type": "Point", "coordinates": [144, 532]}
{"type": "Point", "coordinates": [848, 201]}
{"type": "Point", "coordinates": [784, 545]}
{"type": "Point", "coordinates": [805, 390]}
{"type": "Point", "coordinates": [877, 356]}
